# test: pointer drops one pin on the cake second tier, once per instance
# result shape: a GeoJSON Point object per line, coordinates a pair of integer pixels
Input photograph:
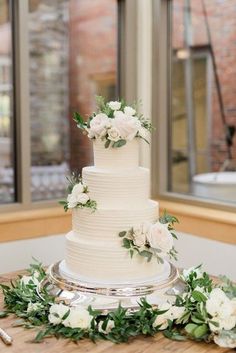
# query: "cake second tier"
{"type": "Point", "coordinates": [118, 189]}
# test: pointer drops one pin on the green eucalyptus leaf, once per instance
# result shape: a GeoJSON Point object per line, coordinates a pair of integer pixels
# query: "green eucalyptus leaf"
{"type": "Point", "coordinates": [119, 143]}
{"type": "Point", "coordinates": [200, 331]}
{"type": "Point", "coordinates": [122, 234]}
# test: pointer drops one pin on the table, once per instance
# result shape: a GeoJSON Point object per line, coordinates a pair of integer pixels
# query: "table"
{"type": "Point", "coordinates": [158, 344]}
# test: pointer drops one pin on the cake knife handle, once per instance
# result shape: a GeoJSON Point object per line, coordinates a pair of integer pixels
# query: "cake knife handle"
{"type": "Point", "coordinates": [5, 337]}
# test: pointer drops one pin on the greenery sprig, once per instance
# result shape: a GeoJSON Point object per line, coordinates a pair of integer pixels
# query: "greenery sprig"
{"type": "Point", "coordinates": [192, 321]}
{"type": "Point", "coordinates": [78, 194]}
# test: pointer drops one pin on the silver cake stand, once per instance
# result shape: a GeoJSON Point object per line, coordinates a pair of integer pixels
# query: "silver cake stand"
{"type": "Point", "coordinates": [107, 297]}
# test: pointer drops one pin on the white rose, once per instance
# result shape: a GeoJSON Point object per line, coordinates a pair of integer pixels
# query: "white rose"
{"type": "Point", "coordinates": [223, 324]}
{"type": "Point", "coordinates": [99, 125]}
{"type": "Point", "coordinates": [30, 280]}
{"type": "Point", "coordinates": [114, 105]}
{"type": "Point", "coordinates": [128, 126]}
{"type": "Point", "coordinates": [129, 111]}
{"type": "Point", "coordinates": [109, 326]}
{"type": "Point", "coordinates": [119, 114]}
{"type": "Point", "coordinates": [159, 237]}
{"type": "Point", "coordinates": [197, 270]}
{"type": "Point", "coordinates": [225, 340]}
{"type": "Point", "coordinates": [177, 312]}
{"type": "Point", "coordinates": [34, 307]}
{"type": "Point", "coordinates": [72, 200]}
{"type": "Point", "coordinates": [78, 317]}
{"type": "Point", "coordinates": [162, 320]}
{"type": "Point", "coordinates": [56, 313]}
{"type": "Point", "coordinates": [139, 238]}
{"type": "Point", "coordinates": [219, 305]}
{"type": "Point", "coordinates": [113, 134]}
{"type": "Point", "coordinates": [82, 198]}
{"type": "Point", "coordinates": [78, 189]}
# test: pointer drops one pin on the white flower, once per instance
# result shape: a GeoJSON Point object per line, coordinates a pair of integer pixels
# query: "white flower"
{"type": "Point", "coordinates": [78, 317]}
{"type": "Point", "coordinates": [223, 324]}
{"type": "Point", "coordinates": [72, 200]}
{"type": "Point", "coordinates": [34, 307]}
{"type": "Point", "coordinates": [162, 319]}
{"type": "Point", "coordinates": [99, 125]}
{"type": "Point", "coordinates": [57, 312]}
{"type": "Point", "coordinates": [129, 111]}
{"type": "Point", "coordinates": [159, 237]}
{"type": "Point", "coordinates": [113, 134]}
{"type": "Point", "coordinates": [30, 279]}
{"type": "Point", "coordinates": [173, 312]}
{"type": "Point", "coordinates": [109, 327]}
{"type": "Point", "coordinates": [127, 126]}
{"type": "Point", "coordinates": [78, 189]}
{"type": "Point", "coordinates": [119, 114]}
{"type": "Point", "coordinates": [219, 305]}
{"type": "Point", "coordinates": [139, 238]}
{"type": "Point", "coordinates": [114, 105]}
{"type": "Point", "coordinates": [197, 270]}
{"type": "Point", "coordinates": [225, 340]}
{"type": "Point", "coordinates": [82, 198]}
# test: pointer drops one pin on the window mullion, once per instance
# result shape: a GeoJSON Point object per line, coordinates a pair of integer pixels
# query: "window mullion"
{"type": "Point", "coordinates": [21, 106]}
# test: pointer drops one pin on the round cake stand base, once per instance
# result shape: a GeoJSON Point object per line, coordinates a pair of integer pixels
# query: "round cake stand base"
{"type": "Point", "coordinates": [108, 297]}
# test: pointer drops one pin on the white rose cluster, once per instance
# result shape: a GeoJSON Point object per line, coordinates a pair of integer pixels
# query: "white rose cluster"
{"type": "Point", "coordinates": [77, 196]}
{"type": "Point", "coordinates": [75, 317]}
{"type": "Point", "coordinates": [172, 313]}
{"type": "Point", "coordinates": [156, 235]}
{"type": "Point", "coordinates": [222, 310]}
{"type": "Point", "coordinates": [123, 125]}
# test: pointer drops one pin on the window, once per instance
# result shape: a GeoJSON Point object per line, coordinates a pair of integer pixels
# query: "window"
{"type": "Point", "coordinates": [202, 100]}
{"type": "Point", "coordinates": [7, 183]}
{"type": "Point", "coordinates": [72, 56]}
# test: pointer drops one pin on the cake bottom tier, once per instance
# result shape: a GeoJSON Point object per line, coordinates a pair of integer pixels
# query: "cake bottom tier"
{"type": "Point", "coordinates": [99, 264]}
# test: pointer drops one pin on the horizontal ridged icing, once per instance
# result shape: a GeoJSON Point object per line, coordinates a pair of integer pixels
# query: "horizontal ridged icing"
{"type": "Point", "coordinates": [112, 265]}
{"type": "Point", "coordinates": [103, 225]}
{"type": "Point", "coordinates": [94, 244]}
{"type": "Point", "coordinates": [117, 189]}
{"type": "Point", "coordinates": [125, 157]}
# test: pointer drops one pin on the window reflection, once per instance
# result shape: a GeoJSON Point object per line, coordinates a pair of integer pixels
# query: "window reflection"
{"type": "Point", "coordinates": [203, 119]}
{"type": "Point", "coordinates": [73, 53]}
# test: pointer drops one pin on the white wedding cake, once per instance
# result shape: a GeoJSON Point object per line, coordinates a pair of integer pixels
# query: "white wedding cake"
{"type": "Point", "coordinates": [117, 236]}
{"type": "Point", "coordinates": [94, 251]}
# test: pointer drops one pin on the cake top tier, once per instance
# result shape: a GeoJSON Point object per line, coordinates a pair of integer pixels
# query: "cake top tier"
{"type": "Point", "coordinates": [115, 125]}
{"type": "Point", "coordinates": [125, 157]}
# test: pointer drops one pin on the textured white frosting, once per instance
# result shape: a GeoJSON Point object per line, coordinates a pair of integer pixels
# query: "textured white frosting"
{"type": "Point", "coordinates": [117, 189]}
{"type": "Point", "coordinates": [94, 250]}
{"type": "Point", "coordinates": [125, 157]}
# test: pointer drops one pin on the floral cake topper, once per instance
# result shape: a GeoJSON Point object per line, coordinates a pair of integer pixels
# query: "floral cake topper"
{"type": "Point", "coordinates": [114, 123]}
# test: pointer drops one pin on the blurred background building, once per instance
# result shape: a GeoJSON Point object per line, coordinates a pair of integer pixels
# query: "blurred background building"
{"type": "Point", "coordinates": [73, 49]}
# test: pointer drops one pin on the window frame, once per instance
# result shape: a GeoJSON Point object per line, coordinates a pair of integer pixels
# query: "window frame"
{"type": "Point", "coordinates": [161, 108]}
{"type": "Point", "coordinates": [27, 219]}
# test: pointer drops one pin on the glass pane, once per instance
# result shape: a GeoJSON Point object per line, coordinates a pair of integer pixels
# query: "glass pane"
{"type": "Point", "coordinates": [203, 99]}
{"type": "Point", "coordinates": [7, 189]}
{"type": "Point", "coordinates": [73, 57]}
